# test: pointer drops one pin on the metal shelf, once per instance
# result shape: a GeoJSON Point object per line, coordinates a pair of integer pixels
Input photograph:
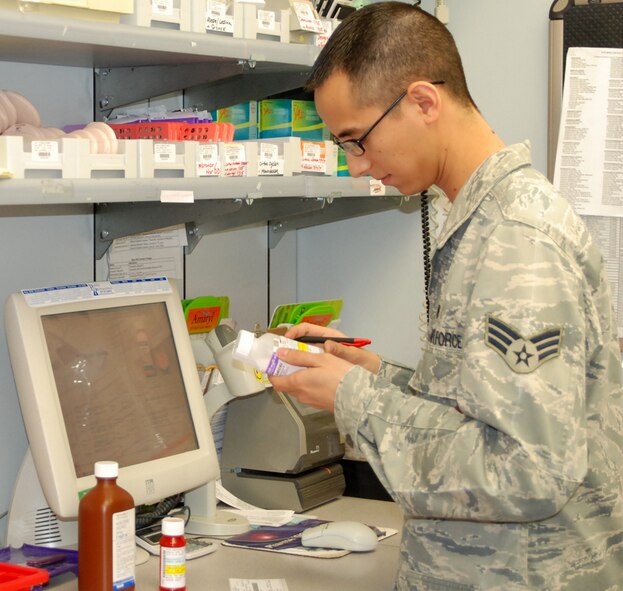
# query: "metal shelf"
{"type": "Point", "coordinates": [32, 38]}
{"type": "Point", "coordinates": [134, 63]}
{"type": "Point", "coordinates": [129, 206]}
{"type": "Point", "coordinates": [125, 58]}
{"type": "Point", "coordinates": [119, 190]}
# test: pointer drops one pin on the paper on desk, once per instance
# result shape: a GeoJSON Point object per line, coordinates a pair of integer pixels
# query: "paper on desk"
{"type": "Point", "coordinates": [255, 515]}
{"type": "Point", "coordinates": [258, 585]}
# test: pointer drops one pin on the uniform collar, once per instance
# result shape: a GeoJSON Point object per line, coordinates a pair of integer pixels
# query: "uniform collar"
{"type": "Point", "coordinates": [485, 177]}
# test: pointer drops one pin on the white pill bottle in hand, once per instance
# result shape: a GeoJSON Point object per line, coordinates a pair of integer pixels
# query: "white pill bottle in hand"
{"type": "Point", "coordinates": [261, 352]}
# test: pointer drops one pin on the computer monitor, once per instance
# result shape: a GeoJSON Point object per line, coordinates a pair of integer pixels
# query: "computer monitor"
{"type": "Point", "coordinates": [105, 371]}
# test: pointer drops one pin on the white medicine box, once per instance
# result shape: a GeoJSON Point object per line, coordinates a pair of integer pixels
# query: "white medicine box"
{"type": "Point", "coordinates": [165, 14]}
{"type": "Point", "coordinates": [100, 10]}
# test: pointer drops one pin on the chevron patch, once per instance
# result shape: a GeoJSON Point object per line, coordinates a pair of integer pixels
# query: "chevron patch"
{"type": "Point", "coordinates": [522, 354]}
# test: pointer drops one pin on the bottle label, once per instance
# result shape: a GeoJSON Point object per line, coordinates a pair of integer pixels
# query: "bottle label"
{"type": "Point", "coordinates": [173, 567]}
{"type": "Point", "coordinates": [123, 550]}
{"type": "Point", "coordinates": [276, 367]}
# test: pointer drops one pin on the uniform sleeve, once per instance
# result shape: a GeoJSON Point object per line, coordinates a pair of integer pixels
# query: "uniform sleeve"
{"type": "Point", "coordinates": [505, 440]}
{"type": "Point", "coordinates": [396, 373]}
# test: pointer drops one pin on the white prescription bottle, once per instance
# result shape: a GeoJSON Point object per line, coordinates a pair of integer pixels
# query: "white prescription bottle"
{"type": "Point", "coordinates": [260, 352]}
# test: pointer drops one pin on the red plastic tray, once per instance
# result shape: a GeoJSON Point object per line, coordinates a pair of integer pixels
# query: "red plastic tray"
{"type": "Point", "coordinates": [175, 131]}
{"type": "Point", "coordinates": [14, 577]}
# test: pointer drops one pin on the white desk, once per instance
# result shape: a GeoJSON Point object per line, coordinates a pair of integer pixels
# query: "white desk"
{"type": "Point", "coordinates": [372, 571]}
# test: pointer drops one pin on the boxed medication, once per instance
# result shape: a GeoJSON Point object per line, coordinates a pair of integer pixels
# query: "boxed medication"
{"type": "Point", "coordinates": [286, 117]}
{"type": "Point", "coordinates": [244, 117]}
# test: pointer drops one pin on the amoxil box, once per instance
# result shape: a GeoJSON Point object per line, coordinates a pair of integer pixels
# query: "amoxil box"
{"type": "Point", "coordinates": [243, 116]}
{"type": "Point", "coordinates": [286, 117]}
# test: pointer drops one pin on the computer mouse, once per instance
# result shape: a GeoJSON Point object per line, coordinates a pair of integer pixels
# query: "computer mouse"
{"type": "Point", "coordinates": [341, 535]}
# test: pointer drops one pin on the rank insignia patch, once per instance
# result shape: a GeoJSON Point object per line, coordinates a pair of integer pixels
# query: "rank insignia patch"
{"type": "Point", "coordinates": [522, 354]}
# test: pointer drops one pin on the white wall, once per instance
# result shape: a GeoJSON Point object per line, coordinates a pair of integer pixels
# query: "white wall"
{"type": "Point", "coordinates": [374, 262]}
{"type": "Point", "coordinates": [40, 245]}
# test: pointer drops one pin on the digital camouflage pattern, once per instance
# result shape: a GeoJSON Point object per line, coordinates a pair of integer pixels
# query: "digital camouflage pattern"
{"type": "Point", "coordinates": [504, 447]}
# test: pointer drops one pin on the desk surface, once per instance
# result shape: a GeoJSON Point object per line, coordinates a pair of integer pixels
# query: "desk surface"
{"type": "Point", "coordinates": [373, 571]}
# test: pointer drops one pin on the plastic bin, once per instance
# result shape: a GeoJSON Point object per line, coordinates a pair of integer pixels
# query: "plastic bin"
{"type": "Point", "coordinates": [174, 131]}
{"type": "Point", "coordinates": [14, 577]}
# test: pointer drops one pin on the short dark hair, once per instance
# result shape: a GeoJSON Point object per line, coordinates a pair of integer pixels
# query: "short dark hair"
{"type": "Point", "coordinates": [384, 47]}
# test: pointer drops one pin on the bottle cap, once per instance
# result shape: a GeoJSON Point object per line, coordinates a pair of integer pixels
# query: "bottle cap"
{"type": "Point", "coordinates": [244, 343]}
{"type": "Point", "coordinates": [105, 469]}
{"type": "Point", "coordinates": [172, 526]}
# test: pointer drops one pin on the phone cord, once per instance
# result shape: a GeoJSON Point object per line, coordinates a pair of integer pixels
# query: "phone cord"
{"type": "Point", "coordinates": [426, 249]}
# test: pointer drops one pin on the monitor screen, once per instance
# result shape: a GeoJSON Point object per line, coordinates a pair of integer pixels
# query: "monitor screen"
{"type": "Point", "coordinates": [105, 371]}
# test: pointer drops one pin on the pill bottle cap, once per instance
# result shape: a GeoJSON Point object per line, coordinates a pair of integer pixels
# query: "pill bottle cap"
{"type": "Point", "coordinates": [244, 343]}
{"type": "Point", "coordinates": [172, 526]}
{"type": "Point", "coordinates": [105, 469]}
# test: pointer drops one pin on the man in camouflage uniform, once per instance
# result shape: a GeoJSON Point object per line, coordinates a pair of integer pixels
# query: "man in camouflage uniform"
{"type": "Point", "coordinates": [504, 447]}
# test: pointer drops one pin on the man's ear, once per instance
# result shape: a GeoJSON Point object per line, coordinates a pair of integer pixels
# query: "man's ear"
{"type": "Point", "coordinates": [426, 97]}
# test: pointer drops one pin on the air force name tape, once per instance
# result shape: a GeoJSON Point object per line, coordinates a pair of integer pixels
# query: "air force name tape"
{"type": "Point", "coordinates": [522, 355]}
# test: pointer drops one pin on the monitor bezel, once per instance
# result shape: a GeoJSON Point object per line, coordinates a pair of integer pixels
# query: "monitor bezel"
{"type": "Point", "coordinates": [148, 482]}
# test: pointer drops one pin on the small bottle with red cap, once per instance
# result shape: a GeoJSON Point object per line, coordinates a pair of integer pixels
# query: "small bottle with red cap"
{"type": "Point", "coordinates": [172, 555]}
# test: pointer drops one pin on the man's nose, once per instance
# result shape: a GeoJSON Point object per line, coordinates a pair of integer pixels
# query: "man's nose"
{"type": "Point", "coordinates": [357, 165]}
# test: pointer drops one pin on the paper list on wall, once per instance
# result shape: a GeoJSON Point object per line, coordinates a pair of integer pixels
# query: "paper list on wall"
{"type": "Point", "coordinates": [607, 232]}
{"type": "Point", "coordinates": [589, 156]}
{"type": "Point", "coordinates": [150, 254]}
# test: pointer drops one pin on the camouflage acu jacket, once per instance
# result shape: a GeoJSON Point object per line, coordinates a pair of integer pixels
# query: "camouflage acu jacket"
{"type": "Point", "coordinates": [504, 447]}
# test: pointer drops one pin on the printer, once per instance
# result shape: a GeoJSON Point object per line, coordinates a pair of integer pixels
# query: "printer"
{"type": "Point", "coordinates": [275, 453]}
{"type": "Point", "coordinates": [281, 454]}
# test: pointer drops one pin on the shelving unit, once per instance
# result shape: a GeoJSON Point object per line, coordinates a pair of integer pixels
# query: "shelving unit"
{"type": "Point", "coordinates": [132, 63]}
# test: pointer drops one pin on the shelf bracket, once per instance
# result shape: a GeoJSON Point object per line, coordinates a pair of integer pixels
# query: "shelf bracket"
{"type": "Point", "coordinates": [210, 216]}
{"type": "Point", "coordinates": [334, 210]}
{"type": "Point", "coordinates": [116, 220]}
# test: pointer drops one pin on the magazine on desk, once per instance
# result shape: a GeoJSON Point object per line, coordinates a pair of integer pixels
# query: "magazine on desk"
{"type": "Point", "coordinates": [287, 538]}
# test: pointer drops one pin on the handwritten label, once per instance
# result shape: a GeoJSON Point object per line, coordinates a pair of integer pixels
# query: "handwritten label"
{"type": "Point", "coordinates": [321, 39]}
{"type": "Point", "coordinates": [208, 162]}
{"type": "Point", "coordinates": [308, 21]}
{"type": "Point", "coordinates": [313, 157]}
{"type": "Point", "coordinates": [217, 18]}
{"type": "Point", "coordinates": [235, 159]}
{"type": "Point", "coordinates": [377, 188]}
{"type": "Point", "coordinates": [270, 167]}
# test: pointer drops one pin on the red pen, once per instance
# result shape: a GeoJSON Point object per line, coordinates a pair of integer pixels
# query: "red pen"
{"type": "Point", "coordinates": [348, 341]}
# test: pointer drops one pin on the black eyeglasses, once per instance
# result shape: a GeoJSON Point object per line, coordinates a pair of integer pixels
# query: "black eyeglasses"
{"type": "Point", "coordinates": [356, 147]}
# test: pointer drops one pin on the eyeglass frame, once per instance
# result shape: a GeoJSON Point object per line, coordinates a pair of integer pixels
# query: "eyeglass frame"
{"type": "Point", "coordinates": [357, 144]}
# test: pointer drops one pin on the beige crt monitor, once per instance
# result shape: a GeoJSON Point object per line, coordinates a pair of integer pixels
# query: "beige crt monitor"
{"type": "Point", "coordinates": [105, 371]}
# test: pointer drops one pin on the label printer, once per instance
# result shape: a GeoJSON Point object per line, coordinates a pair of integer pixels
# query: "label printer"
{"type": "Point", "coordinates": [281, 454]}
{"type": "Point", "coordinates": [277, 453]}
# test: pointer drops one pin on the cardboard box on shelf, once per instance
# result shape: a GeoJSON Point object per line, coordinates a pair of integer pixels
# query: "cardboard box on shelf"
{"type": "Point", "coordinates": [286, 117]}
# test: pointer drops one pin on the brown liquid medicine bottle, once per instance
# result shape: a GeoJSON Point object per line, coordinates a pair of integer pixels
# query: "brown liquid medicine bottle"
{"type": "Point", "coordinates": [106, 547]}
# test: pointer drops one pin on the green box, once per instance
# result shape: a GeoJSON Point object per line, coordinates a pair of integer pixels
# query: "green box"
{"type": "Point", "coordinates": [286, 118]}
{"type": "Point", "coordinates": [243, 116]}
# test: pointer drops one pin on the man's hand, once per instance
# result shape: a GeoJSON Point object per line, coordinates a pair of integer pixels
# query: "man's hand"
{"type": "Point", "coordinates": [316, 385]}
{"type": "Point", "coordinates": [354, 355]}
{"type": "Point", "coordinates": [312, 330]}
